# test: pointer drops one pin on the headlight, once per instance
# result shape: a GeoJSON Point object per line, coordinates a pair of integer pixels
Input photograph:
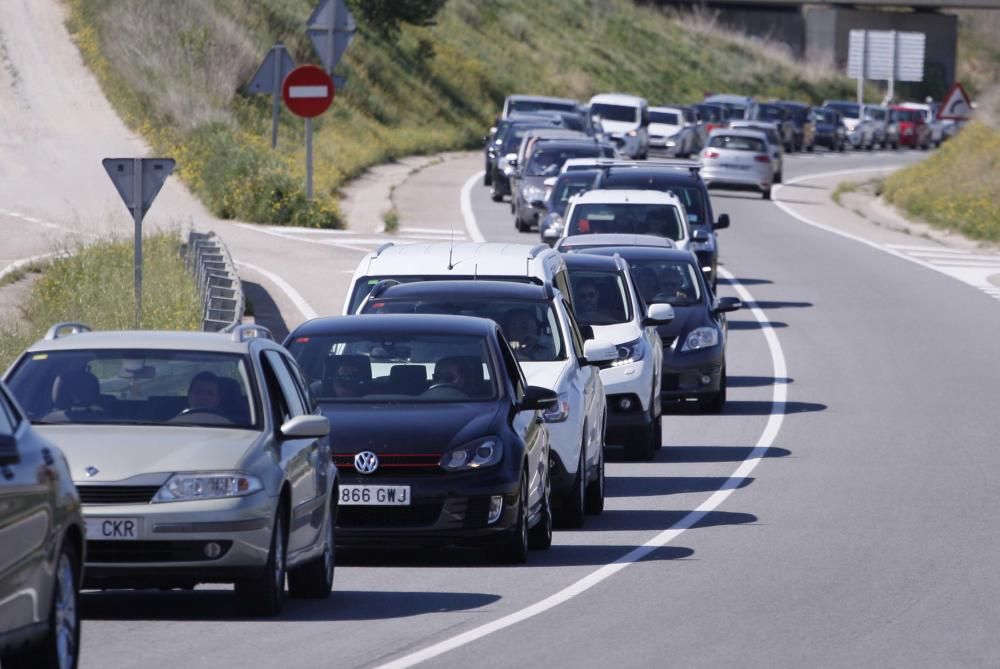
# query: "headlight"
{"type": "Point", "coordinates": [699, 246]}
{"type": "Point", "coordinates": [629, 352]}
{"type": "Point", "coordinates": [214, 485]}
{"type": "Point", "coordinates": [555, 226]}
{"type": "Point", "coordinates": [477, 454]}
{"type": "Point", "coordinates": [559, 411]}
{"type": "Point", "coordinates": [532, 193]}
{"type": "Point", "coordinates": [632, 133]}
{"type": "Point", "coordinates": [699, 338]}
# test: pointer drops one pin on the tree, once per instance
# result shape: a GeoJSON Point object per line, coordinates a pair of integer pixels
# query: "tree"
{"type": "Point", "coordinates": [386, 16]}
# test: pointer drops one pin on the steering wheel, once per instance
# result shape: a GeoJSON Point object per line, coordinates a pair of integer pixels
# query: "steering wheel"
{"type": "Point", "coordinates": [444, 384]}
{"type": "Point", "coordinates": [193, 410]}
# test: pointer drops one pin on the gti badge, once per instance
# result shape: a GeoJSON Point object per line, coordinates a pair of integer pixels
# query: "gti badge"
{"type": "Point", "coordinates": [91, 472]}
{"type": "Point", "coordinates": [366, 462]}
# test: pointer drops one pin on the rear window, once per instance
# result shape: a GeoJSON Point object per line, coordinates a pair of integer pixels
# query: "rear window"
{"type": "Point", "coordinates": [846, 110]}
{"type": "Point", "coordinates": [660, 220]}
{"type": "Point", "coordinates": [770, 113]}
{"type": "Point", "coordinates": [737, 143]}
{"type": "Point", "coordinates": [546, 162]}
{"type": "Point", "coordinates": [365, 285]}
{"type": "Point", "coordinates": [539, 105]}
{"type": "Point", "coordinates": [565, 189]}
{"type": "Point", "coordinates": [619, 113]}
{"type": "Point", "coordinates": [667, 118]}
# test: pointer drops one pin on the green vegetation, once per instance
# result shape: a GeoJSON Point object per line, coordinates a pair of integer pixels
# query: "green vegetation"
{"type": "Point", "coordinates": [955, 188]}
{"type": "Point", "coordinates": [15, 275]}
{"type": "Point", "coordinates": [390, 220]}
{"type": "Point", "coordinates": [843, 187]}
{"type": "Point", "coordinates": [93, 284]}
{"type": "Point", "coordinates": [173, 70]}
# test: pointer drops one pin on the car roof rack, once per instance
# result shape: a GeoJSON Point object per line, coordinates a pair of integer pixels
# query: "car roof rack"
{"type": "Point", "coordinates": [56, 331]}
{"type": "Point", "coordinates": [247, 331]}
{"type": "Point", "coordinates": [383, 247]}
{"type": "Point", "coordinates": [538, 248]}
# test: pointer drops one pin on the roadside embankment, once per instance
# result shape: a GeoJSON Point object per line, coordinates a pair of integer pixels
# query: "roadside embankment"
{"type": "Point", "coordinates": [93, 284]}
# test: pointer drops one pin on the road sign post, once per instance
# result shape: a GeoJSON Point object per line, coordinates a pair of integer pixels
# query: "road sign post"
{"type": "Point", "coordinates": [271, 73]}
{"type": "Point", "coordinates": [138, 182]}
{"type": "Point", "coordinates": [308, 91]}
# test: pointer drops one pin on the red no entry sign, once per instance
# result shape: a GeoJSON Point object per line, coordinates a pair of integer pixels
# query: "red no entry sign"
{"type": "Point", "coordinates": [308, 91]}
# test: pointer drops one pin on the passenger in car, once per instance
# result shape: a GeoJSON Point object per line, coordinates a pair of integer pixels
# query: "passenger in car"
{"type": "Point", "coordinates": [347, 375]}
{"type": "Point", "coordinates": [522, 331]}
{"type": "Point", "coordinates": [75, 397]}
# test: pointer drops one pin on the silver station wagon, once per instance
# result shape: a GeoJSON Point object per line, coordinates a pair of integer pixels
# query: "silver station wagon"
{"type": "Point", "coordinates": [199, 458]}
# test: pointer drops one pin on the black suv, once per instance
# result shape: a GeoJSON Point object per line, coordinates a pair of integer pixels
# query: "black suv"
{"type": "Point", "coordinates": [683, 180]}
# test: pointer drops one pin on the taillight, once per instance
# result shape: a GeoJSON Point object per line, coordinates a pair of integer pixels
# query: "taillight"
{"type": "Point", "coordinates": [762, 158]}
{"type": "Point", "coordinates": [711, 154]}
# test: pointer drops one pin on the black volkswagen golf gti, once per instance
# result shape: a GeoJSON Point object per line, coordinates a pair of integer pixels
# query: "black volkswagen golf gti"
{"type": "Point", "coordinates": [437, 437]}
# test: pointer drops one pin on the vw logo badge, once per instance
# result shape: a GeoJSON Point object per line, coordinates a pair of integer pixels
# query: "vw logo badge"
{"type": "Point", "coordinates": [91, 472]}
{"type": "Point", "coordinates": [366, 462]}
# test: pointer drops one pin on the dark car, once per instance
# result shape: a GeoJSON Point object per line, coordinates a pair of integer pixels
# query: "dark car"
{"type": "Point", "coordinates": [505, 141]}
{"type": "Point", "coordinates": [566, 186]}
{"type": "Point", "coordinates": [544, 162]}
{"type": "Point", "coordinates": [714, 116]}
{"type": "Point", "coordinates": [694, 343]}
{"type": "Point", "coordinates": [41, 549]}
{"type": "Point", "coordinates": [803, 129]}
{"type": "Point", "coordinates": [684, 182]}
{"type": "Point", "coordinates": [464, 459]}
{"type": "Point", "coordinates": [830, 131]}
{"type": "Point", "coordinates": [493, 142]}
{"type": "Point", "coordinates": [774, 113]}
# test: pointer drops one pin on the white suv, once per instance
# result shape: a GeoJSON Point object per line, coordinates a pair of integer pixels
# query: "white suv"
{"type": "Point", "coordinates": [631, 212]}
{"type": "Point", "coordinates": [499, 261]}
{"type": "Point", "coordinates": [608, 308]}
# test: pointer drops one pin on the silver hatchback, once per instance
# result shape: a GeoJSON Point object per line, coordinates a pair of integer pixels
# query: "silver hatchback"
{"type": "Point", "coordinates": [199, 458]}
{"type": "Point", "coordinates": [738, 160]}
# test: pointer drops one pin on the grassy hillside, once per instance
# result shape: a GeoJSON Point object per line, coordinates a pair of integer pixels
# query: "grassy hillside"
{"type": "Point", "coordinates": [979, 50]}
{"type": "Point", "coordinates": [958, 187]}
{"type": "Point", "coordinates": [174, 70]}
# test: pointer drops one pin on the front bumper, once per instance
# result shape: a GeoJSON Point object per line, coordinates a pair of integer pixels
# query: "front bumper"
{"type": "Point", "coordinates": [634, 383]}
{"type": "Point", "coordinates": [172, 539]}
{"type": "Point", "coordinates": [733, 179]}
{"type": "Point", "coordinates": [692, 373]}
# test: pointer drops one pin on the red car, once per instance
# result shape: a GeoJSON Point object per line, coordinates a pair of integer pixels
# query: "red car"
{"type": "Point", "coordinates": [910, 128]}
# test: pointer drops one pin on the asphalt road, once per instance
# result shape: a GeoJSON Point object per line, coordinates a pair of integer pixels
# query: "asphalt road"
{"type": "Point", "coordinates": [839, 513]}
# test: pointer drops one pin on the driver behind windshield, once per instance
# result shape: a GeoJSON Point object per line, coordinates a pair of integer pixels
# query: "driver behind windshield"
{"type": "Point", "coordinates": [204, 393]}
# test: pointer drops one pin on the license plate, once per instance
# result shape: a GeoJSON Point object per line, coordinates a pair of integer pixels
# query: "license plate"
{"type": "Point", "coordinates": [731, 166]}
{"type": "Point", "coordinates": [113, 528]}
{"type": "Point", "coordinates": [375, 495]}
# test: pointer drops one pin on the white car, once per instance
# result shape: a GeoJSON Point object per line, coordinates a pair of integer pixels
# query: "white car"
{"type": "Point", "coordinates": [435, 261]}
{"type": "Point", "coordinates": [538, 323]}
{"type": "Point", "coordinates": [625, 120]}
{"type": "Point", "coordinates": [739, 160]}
{"type": "Point", "coordinates": [670, 133]}
{"type": "Point", "coordinates": [772, 135]}
{"type": "Point", "coordinates": [607, 304]}
{"type": "Point", "coordinates": [637, 212]}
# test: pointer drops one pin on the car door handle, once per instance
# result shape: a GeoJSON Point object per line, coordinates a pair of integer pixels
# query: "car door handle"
{"type": "Point", "coordinates": [47, 457]}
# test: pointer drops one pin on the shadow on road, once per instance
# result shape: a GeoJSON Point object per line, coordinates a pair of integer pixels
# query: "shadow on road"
{"type": "Point", "coordinates": [766, 408]}
{"type": "Point", "coordinates": [628, 520]}
{"type": "Point", "coordinates": [649, 486]}
{"type": "Point", "coordinates": [715, 453]}
{"type": "Point", "coordinates": [756, 381]}
{"type": "Point", "coordinates": [744, 282]}
{"type": "Point", "coordinates": [755, 325]}
{"type": "Point", "coordinates": [765, 304]}
{"type": "Point", "coordinates": [265, 310]}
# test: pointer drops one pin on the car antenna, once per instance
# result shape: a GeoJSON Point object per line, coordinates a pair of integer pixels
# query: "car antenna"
{"type": "Point", "coordinates": [451, 247]}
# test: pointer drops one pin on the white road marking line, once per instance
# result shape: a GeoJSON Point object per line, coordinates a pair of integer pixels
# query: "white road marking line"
{"type": "Point", "coordinates": [466, 202]}
{"type": "Point", "coordinates": [308, 91]}
{"type": "Point", "coordinates": [300, 302]}
{"type": "Point", "coordinates": [266, 231]}
{"type": "Point", "coordinates": [925, 248]}
{"type": "Point", "coordinates": [18, 264]}
{"type": "Point", "coordinates": [734, 481]}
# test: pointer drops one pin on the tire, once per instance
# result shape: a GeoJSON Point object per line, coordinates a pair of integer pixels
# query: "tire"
{"type": "Point", "coordinates": [658, 433]}
{"type": "Point", "coordinates": [515, 549]}
{"type": "Point", "coordinates": [643, 447]}
{"type": "Point", "coordinates": [265, 595]}
{"type": "Point", "coordinates": [766, 194]}
{"type": "Point", "coordinates": [778, 177]}
{"type": "Point", "coordinates": [840, 148]}
{"type": "Point", "coordinates": [59, 648]}
{"type": "Point", "coordinates": [519, 224]}
{"type": "Point", "coordinates": [715, 402]}
{"type": "Point", "coordinates": [487, 178]}
{"type": "Point", "coordinates": [314, 579]}
{"type": "Point", "coordinates": [811, 148]}
{"type": "Point", "coordinates": [572, 512]}
{"type": "Point", "coordinates": [540, 536]}
{"type": "Point", "coordinates": [595, 489]}
{"type": "Point", "coordinates": [495, 194]}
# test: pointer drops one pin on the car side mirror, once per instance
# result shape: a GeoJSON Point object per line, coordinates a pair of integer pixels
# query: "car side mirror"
{"type": "Point", "coordinates": [699, 235]}
{"type": "Point", "coordinates": [658, 313]}
{"type": "Point", "coordinates": [596, 352]}
{"type": "Point", "coordinates": [539, 204]}
{"type": "Point", "coordinates": [8, 450]}
{"type": "Point", "coordinates": [306, 427]}
{"type": "Point", "coordinates": [727, 304]}
{"type": "Point", "coordinates": [537, 398]}
{"type": "Point", "coordinates": [722, 222]}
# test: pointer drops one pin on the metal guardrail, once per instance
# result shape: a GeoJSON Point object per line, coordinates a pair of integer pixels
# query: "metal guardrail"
{"type": "Point", "coordinates": [207, 257]}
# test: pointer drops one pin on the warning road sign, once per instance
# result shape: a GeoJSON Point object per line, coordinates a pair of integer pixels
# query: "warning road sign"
{"type": "Point", "coordinates": [956, 105]}
{"type": "Point", "coordinates": [308, 91]}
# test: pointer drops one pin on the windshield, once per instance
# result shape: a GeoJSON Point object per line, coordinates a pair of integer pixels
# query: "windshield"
{"type": "Point", "coordinates": [660, 220]}
{"type": "Point", "coordinates": [824, 116]}
{"type": "Point", "coordinates": [600, 297]}
{"type": "Point", "coordinates": [671, 281]}
{"type": "Point", "coordinates": [531, 328]}
{"type": "Point", "coordinates": [366, 284]}
{"type": "Point", "coordinates": [545, 162]}
{"type": "Point", "coordinates": [620, 113]}
{"type": "Point", "coordinates": [770, 113]}
{"type": "Point", "coordinates": [565, 189]}
{"type": "Point", "coordinates": [737, 143]}
{"type": "Point", "coordinates": [846, 109]}
{"type": "Point", "coordinates": [135, 387]}
{"type": "Point", "coordinates": [666, 118]}
{"type": "Point", "coordinates": [905, 115]}
{"type": "Point", "coordinates": [377, 367]}
{"type": "Point", "coordinates": [539, 105]}
{"type": "Point", "coordinates": [874, 114]}
{"type": "Point", "coordinates": [711, 113]}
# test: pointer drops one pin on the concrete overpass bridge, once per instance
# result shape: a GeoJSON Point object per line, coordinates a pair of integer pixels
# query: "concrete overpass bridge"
{"type": "Point", "coordinates": [818, 30]}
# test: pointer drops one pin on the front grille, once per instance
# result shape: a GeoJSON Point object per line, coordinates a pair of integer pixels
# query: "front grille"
{"type": "Point", "coordinates": [393, 460]}
{"type": "Point", "coordinates": [151, 551]}
{"type": "Point", "coordinates": [417, 515]}
{"type": "Point", "coordinates": [668, 342]}
{"type": "Point", "coordinates": [117, 494]}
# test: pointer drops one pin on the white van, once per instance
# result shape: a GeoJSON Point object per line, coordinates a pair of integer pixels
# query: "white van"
{"type": "Point", "coordinates": [625, 120]}
{"type": "Point", "coordinates": [435, 261]}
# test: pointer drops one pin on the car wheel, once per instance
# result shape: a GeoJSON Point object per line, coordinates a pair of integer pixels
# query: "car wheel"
{"type": "Point", "coordinates": [495, 194]}
{"type": "Point", "coordinates": [642, 447]}
{"type": "Point", "coordinates": [766, 194]}
{"type": "Point", "coordinates": [595, 489]}
{"type": "Point", "coordinates": [715, 402]}
{"type": "Point", "coordinates": [840, 147]}
{"type": "Point", "coordinates": [572, 512]}
{"type": "Point", "coordinates": [520, 225]}
{"type": "Point", "coordinates": [487, 178]}
{"type": "Point", "coordinates": [314, 579]}
{"type": "Point", "coordinates": [778, 177]}
{"type": "Point", "coordinates": [540, 536]}
{"type": "Point", "coordinates": [59, 648]}
{"type": "Point", "coordinates": [265, 595]}
{"type": "Point", "coordinates": [515, 549]}
{"type": "Point", "coordinates": [657, 432]}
